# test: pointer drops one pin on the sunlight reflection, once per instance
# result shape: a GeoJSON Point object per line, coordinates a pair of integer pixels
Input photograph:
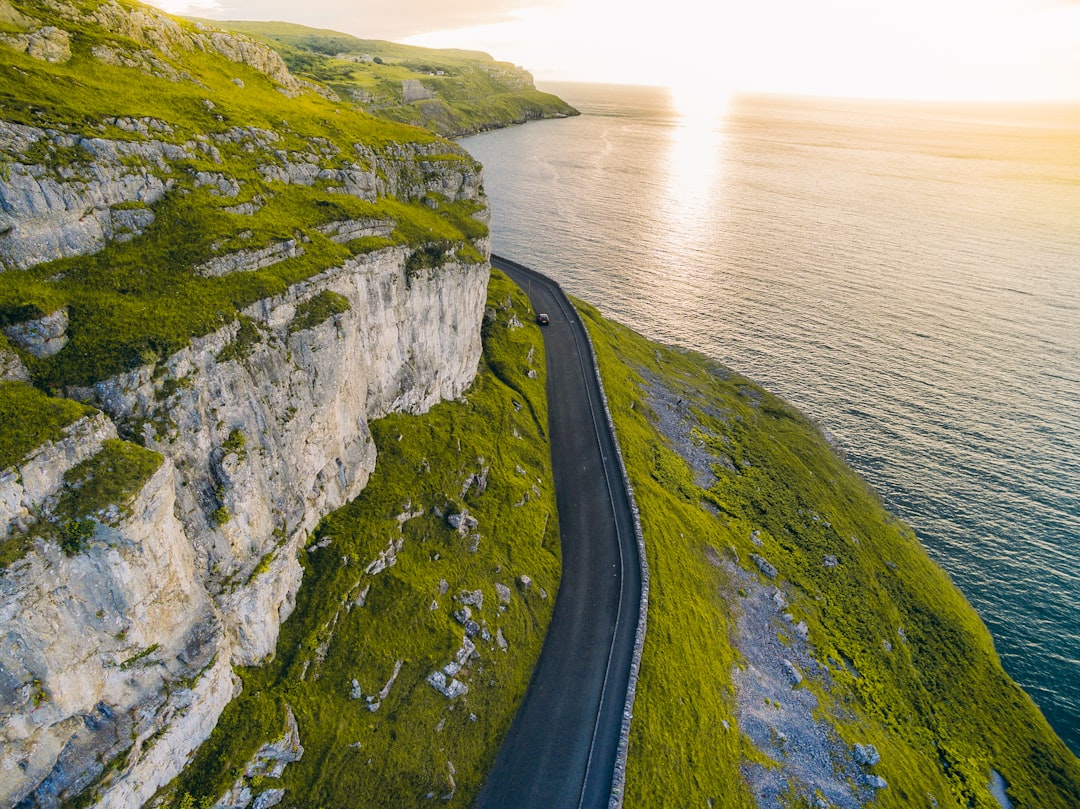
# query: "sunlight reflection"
{"type": "Point", "coordinates": [693, 160]}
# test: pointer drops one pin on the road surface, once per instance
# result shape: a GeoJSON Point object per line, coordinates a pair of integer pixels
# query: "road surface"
{"type": "Point", "coordinates": [561, 749]}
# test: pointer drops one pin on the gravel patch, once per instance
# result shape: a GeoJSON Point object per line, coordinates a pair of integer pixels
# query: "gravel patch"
{"type": "Point", "coordinates": [776, 710]}
{"type": "Point", "coordinates": [676, 421]}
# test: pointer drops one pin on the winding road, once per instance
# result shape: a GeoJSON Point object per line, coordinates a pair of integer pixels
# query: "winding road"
{"type": "Point", "coordinates": [562, 748]}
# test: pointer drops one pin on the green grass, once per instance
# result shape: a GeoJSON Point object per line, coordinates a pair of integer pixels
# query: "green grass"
{"type": "Point", "coordinates": [29, 418]}
{"type": "Point", "coordinates": [398, 754]}
{"type": "Point", "coordinates": [318, 309]}
{"type": "Point", "coordinates": [938, 707]}
{"type": "Point", "coordinates": [112, 477]}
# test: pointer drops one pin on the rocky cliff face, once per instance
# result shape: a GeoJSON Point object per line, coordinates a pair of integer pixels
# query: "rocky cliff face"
{"type": "Point", "coordinates": [116, 653]}
{"type": "Point", "coordinates": [204, 569]}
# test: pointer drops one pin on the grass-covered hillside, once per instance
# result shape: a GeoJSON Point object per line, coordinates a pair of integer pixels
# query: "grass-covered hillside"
{"type": "Point", "coordinates": [158, 176]}
{"type": "Point", "coordinates": [792, 618]}
{"type": "Point", "coordinates": [447, 562]}
{"type": "Point", "coordinates": [452, 92]}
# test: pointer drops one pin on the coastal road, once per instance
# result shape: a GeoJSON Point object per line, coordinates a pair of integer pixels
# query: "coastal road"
{"type": "Point", "coordinates": [561, 749]}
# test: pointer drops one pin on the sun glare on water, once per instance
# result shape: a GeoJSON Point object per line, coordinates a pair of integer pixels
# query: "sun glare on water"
{"type": "Point", "coordinates": [699, 101]}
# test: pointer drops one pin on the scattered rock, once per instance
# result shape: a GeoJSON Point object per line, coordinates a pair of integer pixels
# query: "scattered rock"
{"type": "Point", "coordinates": [875, 781]}
{"type": "Point", "coordinates": [764, 566]}
{"type": "Point", "coordinates": [500, 640]}
{"type": "Point", "coordinates": [434, 606]}
{"type": "Point", "coordinates": [386, 558]}
{"type": "Point", "coordinates": [831, 561]}
{"type": "Point", "coordinates": [49, 44]}
{"type": "Point", "coordinates": [449, 689]}
{"type": "Point", "coordinates": [793, 673]}
{"type": "Point", "coordinates": [471, 598]}
{"type": "Point", "coordinates": [525, 582]}
{"type": "Point", "coordinates": [272, 797]}
{"type": "Point", "coordinates": [503, 593]}
{"type": "Point", "coordinates": [462, 521]}
{"type": "Point", "coordinates": [886, 645]}
{"type": "Point", "coordinates": [471, 628]}
{"type": "Point", "coordinates": [867, 755]}
{"type": "Point", "coordinates": [463, 615]}
{"type": "Point", "coordinates": [444, 587]}
{"type": "Point", "coordinates": [779, 599]}
{"type": "Point", "coordinates": [755, 537]}
{"type": "Point", "coordinates": [361, 597]}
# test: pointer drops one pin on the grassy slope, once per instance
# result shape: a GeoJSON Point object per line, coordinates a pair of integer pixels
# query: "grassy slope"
{"type": "Point", "coordinates": [139, 300]}
{"type": "Point", "coordinates": [938, 707]}
{"type": "Point", "coordinates": [398, 754]}
{"type": "Point", "coordinates": [475, 92]}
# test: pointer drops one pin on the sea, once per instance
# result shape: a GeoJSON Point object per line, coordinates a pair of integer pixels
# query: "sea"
{"type": "Point", "coordinates": [908, 275]}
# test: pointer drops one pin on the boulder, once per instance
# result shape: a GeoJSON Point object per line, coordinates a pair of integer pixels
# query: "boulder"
{"type": "Point", "coordinates": [766, 567]}
{"type": "Point", "coordinates": [867, 755]}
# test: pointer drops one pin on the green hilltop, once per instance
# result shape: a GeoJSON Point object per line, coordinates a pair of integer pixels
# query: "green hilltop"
{"type": "Point", "coordinates": [452, 92]}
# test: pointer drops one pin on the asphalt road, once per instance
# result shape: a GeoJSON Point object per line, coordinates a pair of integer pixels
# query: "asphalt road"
{"type": "Point", "coordinates": [561, 749]}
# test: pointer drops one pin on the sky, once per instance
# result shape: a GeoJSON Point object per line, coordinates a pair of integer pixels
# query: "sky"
{"type": "Point", "coordinates": [918, 49]}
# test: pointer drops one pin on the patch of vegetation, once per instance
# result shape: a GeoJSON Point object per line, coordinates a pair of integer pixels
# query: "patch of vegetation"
{"type": "Point", "coordinates": [29, 418]}
{"type": "Point", "coordinates": [248, 335]}
{"type": "Point", "coordinates": [73, 534]}
{"type": "Point", "coordinates": [427, 257]}
{"type": "Point", "coordinates": [493, 440]}
{"type": "Point", "coordinates": [139, 656]}
{"type": "Point", "coordinates": [105, 483]}
{"type": "Point", "coordinates": [937, 705]}
{"type": "Point", "coordinates": [235, 442]}
{"type": "Point", "coordinates": [318, 309]}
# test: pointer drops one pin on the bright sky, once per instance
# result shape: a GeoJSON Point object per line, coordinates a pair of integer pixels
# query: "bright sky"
{"type": "Point", "coordinates": [921, 49]}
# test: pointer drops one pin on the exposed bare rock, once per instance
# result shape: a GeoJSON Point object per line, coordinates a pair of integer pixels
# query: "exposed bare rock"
{"type": "Point", "coordinates": [764, 565]}
{"type": "Point", "coordinates": [41, 337]}
{"type": "Point", "coordinates": [50, 44]}
{"type": "Point", "coordinates": [251, 260]}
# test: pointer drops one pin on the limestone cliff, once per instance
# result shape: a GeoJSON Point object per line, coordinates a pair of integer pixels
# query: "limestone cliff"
{"type": "Point", "coordinates": [238, 284]}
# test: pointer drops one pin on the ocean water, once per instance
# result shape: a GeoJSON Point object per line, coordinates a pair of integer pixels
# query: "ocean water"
{"type": "Point", "coordinates": [907, 275]}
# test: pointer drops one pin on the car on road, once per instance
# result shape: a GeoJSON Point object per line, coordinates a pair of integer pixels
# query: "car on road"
{"type": "Point", "coordinates": [542, 318]}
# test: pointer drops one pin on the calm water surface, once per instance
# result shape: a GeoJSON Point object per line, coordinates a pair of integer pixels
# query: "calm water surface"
{"type": "Point", "coordinates": [907, 275]}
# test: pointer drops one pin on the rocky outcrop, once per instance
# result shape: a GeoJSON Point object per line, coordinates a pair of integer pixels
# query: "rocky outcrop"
{"type": "Point", "coordinates": [50, 210]}
{"type": "Point", "coordinates": [48, 43]}
{"type": "Point", "coordinates": [25, 487]}
{"type": "Point", "coordinates": [108, 654]}
{"type": "Point", "coordinates": [40, 337]}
